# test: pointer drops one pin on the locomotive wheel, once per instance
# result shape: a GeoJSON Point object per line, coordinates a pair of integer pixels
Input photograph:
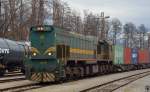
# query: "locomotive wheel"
{"type": "Point", "coordinates": [79, 73]}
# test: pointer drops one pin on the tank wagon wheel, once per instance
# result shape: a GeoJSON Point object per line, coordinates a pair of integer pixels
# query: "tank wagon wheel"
{"type": "Point", "coordinates": [2, 72]}
{"type": "Point", "coordinates": [68, 73]}
{"type": "Point", "coordinates": [23, 71]}
{"type": "Point", "coordinates": [74, 73]}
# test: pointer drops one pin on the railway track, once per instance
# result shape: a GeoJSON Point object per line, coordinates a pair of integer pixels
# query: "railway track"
{"type": "Point", "coordinates": [12, 74]}
{"type": "Point", "coordinates": [116, 84]}
{"type": "Point", "coordinates": [20, 84]}
{"type": "Point", "coordinates": [22, 87]}
{"type": "Point", "coordinates": [110, 86]}
{"type": "Point", "coordinates": [12, 79]}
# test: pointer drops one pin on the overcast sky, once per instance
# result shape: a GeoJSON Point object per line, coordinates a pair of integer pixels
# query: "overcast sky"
{"type": "Point", "coordinates": [136, 11]}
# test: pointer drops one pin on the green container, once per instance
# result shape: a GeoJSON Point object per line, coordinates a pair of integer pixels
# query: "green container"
{"type": "Point", "coordinates": [118, 54]}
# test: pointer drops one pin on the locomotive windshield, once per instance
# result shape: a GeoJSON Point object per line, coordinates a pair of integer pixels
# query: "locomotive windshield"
{"type": "Point", "coordinates": [41, 39]}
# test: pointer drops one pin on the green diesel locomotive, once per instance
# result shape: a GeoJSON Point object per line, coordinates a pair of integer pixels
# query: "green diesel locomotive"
{"type": "Point", "coordinates": [57, 54]}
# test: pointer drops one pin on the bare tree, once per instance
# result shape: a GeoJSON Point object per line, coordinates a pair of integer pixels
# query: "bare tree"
{"type": "Point", "coordinates": [116, 28]}
{"type": "Point", "coordinates": [57, 13]}
{"type": "Point", "coordinates": [18, 16]}
{"type": "Point", "coordinates": [130, 37]}
{"type": "Point", "coordinates": [142, 32]}
{"type": "Point", "coordinates": [91, 23]}
{"type": "Point", "coordinates": [1, 21]}
{"type": "Point", "coordinates": [66, 18]}
{"type": "Point", "coordinates": [34, 12]}
{"type": "Point", "coordinates": [41, 12]}
{"type": "Point", "coordinates": [37, 15]}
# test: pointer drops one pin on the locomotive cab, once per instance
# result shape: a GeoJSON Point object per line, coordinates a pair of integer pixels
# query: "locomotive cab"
{"type": "Point", "coordinates": [104, 50]}
{"type": "Point", "coordinates": [43, 55]}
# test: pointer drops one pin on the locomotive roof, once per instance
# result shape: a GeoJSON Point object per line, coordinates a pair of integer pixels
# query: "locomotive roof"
{"type": "Point", "coordinates": [67, 33]}
{"type": "Point", "coordinates": [75, 34]}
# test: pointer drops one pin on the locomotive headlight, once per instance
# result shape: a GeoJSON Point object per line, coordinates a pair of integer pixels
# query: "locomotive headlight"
{"type": "Point", "coordinates": [49, 53]}
{"type": "Point", "coordinates": [34, 54]}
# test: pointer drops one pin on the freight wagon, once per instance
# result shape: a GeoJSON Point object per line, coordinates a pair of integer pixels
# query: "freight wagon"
{"type": "Point", "coordinates": [143, 58]}
{"type": "Point", "coordinates": [57, 54]}
{"type": "Point", "coordinates": [12, 55]}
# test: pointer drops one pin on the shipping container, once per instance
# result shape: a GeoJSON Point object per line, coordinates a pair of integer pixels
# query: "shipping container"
{"type": "Point", "coordinates": [134, 56]}
{"type": "Point", "coordinates": [118, 54]}
{"type": "Point", "coordinates": [143, 56]}
{"type": "Point", "coordinates": [127, 55]}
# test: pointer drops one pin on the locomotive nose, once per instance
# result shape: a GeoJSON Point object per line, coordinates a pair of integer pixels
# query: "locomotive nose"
{"type": "Point", "coordinates": [47, 65]}
{"type": "Point", "coordinates": [42, 77]}
{"type": "Point", "coordinates": [43, 65]}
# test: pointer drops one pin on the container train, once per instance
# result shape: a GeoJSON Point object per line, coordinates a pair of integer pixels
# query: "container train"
{"type": "Point", "coordinates": [12, 55]}
{"type": "Point", "coordinates": [57, 55]}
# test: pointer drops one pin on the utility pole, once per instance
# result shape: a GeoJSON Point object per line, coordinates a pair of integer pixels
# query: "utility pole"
{"type": "Point", "coordinates": [0, 9]}
{"type": "Point", "coordinates": [149, 41]}
{"type": "Point", "coordinates": [143, 40]}
{"type": "Point", "coordinates": [102, 31]}
{"type": "Point", "coordinates": [0, 15]}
